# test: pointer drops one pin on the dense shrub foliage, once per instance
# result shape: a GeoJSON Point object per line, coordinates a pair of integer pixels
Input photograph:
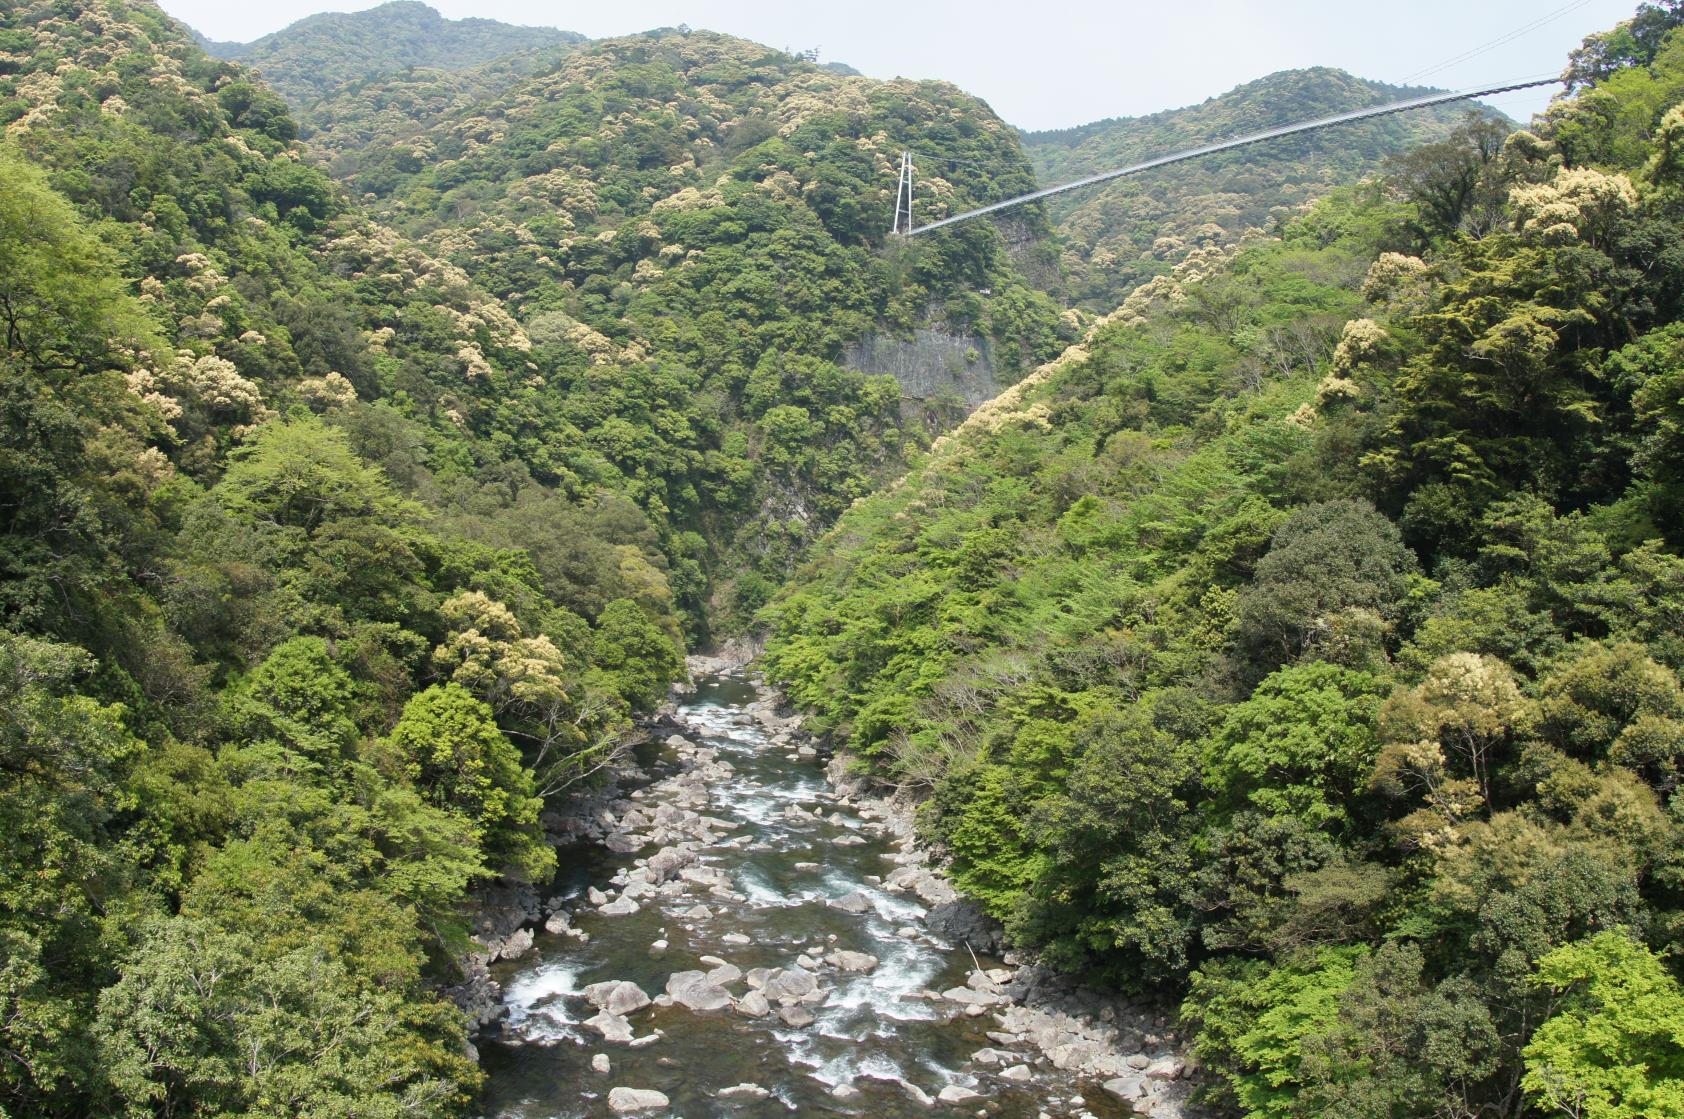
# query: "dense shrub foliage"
{"type": "Point", "coordinates": [282, 677]}
{"type": "Point", "coordinates": [1305, 641]}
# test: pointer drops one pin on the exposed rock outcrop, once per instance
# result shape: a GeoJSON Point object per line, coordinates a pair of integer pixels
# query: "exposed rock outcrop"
{"type": "Point", "coordinates": [931, 365]}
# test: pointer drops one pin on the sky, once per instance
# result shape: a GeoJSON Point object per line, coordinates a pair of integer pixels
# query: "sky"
{"type": "Point", "coordinates": [1057, 63]}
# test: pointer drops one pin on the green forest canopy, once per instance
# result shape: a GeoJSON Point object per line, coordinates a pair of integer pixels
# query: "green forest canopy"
{"type": "Point", "coordinates": [1306, 642]}
{"type": "Point", "coordinates": [1330, 591]}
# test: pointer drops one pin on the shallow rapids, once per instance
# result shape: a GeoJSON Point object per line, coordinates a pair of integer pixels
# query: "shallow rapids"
{"type": "Point", "coordinates": [881, 1044]}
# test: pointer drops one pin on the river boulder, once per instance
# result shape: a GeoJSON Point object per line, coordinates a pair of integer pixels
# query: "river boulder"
{"type": "Point", "coordinates": [851, 961]}
{"type": "Point", "coordinates": [666, 863]}
{"type": "Point", "coordinates": [964, 921]}
{"type": "Point", "coordinates": [619, 907]}
{"type": "Point", "coordinates": [725, 974]}
{"type": "Point", "coordinates": [855, 902]}
{"type": "Point", "coordinates": [628, 1101]}
{"type": "Point", "coordinates": [743, 1091]}
{"type": "Point", "coordinates": [617, 996]}
{"type": "Point", "coordinates": [1164, 1068]}
{"type": "Point", "coordinates": [612, 1027]}
{"type": "Point", "coordinates": [791, 983]}
{"type": "Point", "coordinates": [622, 844]}
{"type": "Point", "coordinates": [694, 991]}
{"type": "Point", "coordinates": [516, 945]}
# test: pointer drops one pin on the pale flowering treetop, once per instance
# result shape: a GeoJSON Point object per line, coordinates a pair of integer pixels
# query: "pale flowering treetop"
{"type": "Point", "coordinates": [1580, 203]}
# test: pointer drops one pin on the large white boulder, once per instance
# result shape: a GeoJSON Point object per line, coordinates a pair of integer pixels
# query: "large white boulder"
{"type": "Point", "coordinates": [628, 1101]}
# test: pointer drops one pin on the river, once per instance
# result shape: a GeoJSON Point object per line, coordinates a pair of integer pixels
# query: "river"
{"type": "Point", "coordinates": [795, 878]}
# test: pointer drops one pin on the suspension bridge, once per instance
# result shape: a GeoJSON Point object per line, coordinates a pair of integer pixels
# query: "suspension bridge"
{"type": "Point", "coordinates": [903, 226]}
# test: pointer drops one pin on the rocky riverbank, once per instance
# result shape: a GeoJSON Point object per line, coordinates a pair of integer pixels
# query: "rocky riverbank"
{"type": "Point", "coordinates": [1130, 1045]}
{"type": "Point", "coordinates": [508, 918]}
{"type": "Point", "coordinates": [698, 851]}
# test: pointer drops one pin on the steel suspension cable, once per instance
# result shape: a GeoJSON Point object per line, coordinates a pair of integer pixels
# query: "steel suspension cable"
{"type": "Point", "coordinates": [1228, 145]}
{"type": "Point", "coordinates": [1501, 40]}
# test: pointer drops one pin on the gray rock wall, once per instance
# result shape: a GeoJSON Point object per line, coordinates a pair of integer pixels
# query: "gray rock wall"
{"type": "Point", "coordinates": [1030, 250]}
{"type": "Point", "coordinates": [932, 364]}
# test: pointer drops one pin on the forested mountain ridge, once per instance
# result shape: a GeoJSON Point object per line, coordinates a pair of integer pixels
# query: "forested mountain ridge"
{"type": "Point", "coordinates": [384, 109]}
{"type": "Point", "coordinates": [320, 55]}
{"type": "Point", "coordinates": [245, 254]}
{"type": "Point", "coordinates": [291, 650]}
{"type": "Point", "coordinates": [1306, 642]}
{"type": "Point", "coordinates": [698, 223]}
{"type": "Point", "coordinates": [389, 72]}
{"type": "Point", "coordinates": [1124, 232]}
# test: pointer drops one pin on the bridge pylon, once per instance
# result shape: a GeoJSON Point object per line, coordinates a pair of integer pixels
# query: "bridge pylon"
{"type": "Point", "coordinates": [901, 226]}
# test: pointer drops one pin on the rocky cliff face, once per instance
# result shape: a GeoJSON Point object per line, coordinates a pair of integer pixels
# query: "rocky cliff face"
{"type": "Point", "coordinates": [1030, 250]}
{"type": "Point", "coordinates": [931, 365]}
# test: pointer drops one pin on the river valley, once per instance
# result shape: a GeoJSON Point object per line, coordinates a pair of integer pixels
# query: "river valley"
{"type": "Point", "coordinates": [752, 942]}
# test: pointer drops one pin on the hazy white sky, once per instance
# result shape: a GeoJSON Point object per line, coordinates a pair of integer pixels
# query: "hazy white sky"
{"type": "Point", "coordinates": [1056, 63]}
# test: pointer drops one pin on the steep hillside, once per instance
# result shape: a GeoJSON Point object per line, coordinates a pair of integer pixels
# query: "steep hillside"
{"type": "Point", "coordinates": [247, 255]}
{"type": "Point", "coordinates": [290, 651]}
{"type": "Point", "coordinates": [385, 109]}
{"type": "Point", "coordinates": [1121, 233]}
{"type": "Point", "coordinates": [381, 76]}
{"type": "Point", "coordinates": [691, 227]}
{"type": "Point", "coordinates": [321, 55]}
{"type": "Point", "coordinates": [1306, 641]}
{"type": "Point", "coordinates": [651, 124]}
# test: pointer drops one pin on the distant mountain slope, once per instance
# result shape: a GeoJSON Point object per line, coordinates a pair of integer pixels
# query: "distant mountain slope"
{"type": "Point", "coordinates": [317, 56]}
{"type": "Point", "coordinates": [701, 221]}
{"type": "Point", "coordinates": [1126, 231]}
{"type": "Point", "coordinates": [693, 227]}
{"type": "Point", "coordinates": [391, 108]}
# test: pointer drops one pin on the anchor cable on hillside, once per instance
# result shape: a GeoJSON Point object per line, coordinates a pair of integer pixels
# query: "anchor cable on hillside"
{"type": "Point", "coordinates": [903, 227]}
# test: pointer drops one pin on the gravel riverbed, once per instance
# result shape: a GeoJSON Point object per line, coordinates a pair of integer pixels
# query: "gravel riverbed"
{"type": "Point", "coordinates": [751, 931]}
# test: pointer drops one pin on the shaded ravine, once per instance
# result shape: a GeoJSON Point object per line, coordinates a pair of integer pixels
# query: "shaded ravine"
{"type": "Point", "coordinates": [793, 878]}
